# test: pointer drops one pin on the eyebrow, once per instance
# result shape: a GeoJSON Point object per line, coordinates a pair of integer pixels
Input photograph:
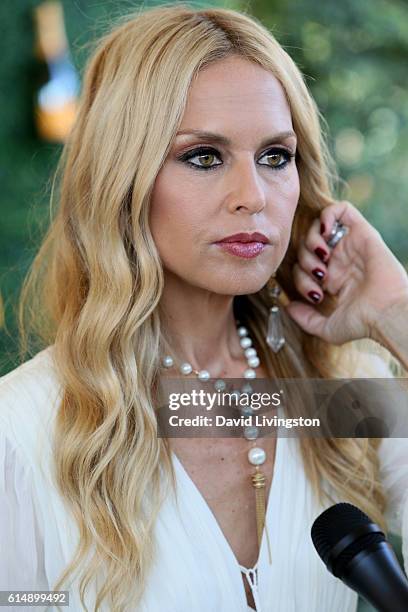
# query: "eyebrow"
{"type": "Point", "coordinates": [213, 137]}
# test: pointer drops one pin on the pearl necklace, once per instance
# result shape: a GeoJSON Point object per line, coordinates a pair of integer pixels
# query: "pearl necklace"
{"type": "Point", "coordinates": [256, 455]}
{"type": "Point", "coordinates": [249, 352]}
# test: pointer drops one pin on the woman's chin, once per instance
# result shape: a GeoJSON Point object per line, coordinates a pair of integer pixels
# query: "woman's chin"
{"type": "Point", "coordinates": [239, 286]}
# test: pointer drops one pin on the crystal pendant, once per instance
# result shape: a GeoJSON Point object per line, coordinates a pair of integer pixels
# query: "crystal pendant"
{"type": "Point", "coordinates": [275, 338]}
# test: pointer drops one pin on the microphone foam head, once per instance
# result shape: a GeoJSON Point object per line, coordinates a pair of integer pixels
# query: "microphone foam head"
{"type": "Point", "coordinates": [336, 523]}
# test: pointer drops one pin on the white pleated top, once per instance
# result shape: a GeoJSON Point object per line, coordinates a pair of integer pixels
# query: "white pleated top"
{"type": "Point", "coordinates": [195, 568]}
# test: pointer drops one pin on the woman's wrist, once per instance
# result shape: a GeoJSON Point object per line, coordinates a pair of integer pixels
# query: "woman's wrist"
{"type": "Point", "coordinates": [391, 329]}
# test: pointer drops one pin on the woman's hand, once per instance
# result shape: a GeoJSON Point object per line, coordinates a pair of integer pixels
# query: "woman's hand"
{"type": "Point", "coordinates": [360, 270]}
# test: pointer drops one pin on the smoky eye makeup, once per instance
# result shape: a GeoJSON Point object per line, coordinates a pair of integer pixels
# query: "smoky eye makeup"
{"type": "Point", "coordinates": [276, 153]}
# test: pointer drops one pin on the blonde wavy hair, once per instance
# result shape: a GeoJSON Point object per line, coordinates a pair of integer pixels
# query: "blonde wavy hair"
{"type": "Point", "coordinates": [94, 287]}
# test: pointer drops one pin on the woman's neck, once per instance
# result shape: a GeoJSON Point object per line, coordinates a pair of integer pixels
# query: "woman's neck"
{"type": "Point", "coordinates": [200, 327]}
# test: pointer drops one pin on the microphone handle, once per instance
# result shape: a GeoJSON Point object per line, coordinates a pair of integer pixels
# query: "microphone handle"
{"type": "Point", "coordinates": [376, 575]}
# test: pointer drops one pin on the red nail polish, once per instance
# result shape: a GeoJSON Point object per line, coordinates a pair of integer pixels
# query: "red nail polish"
{"type": "Point", "coordinates": [319, 274]}
{"type": "Point", "coordinates": [321, 253]}
{"type": "Point", "coordinates": [314, 296]}
{"type": "Point", "coordinates": [322, 228]}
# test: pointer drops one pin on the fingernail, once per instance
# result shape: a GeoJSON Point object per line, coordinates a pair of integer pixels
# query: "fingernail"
{"type": "Point", "coordinates": [314, 296]}
{"type": "Point", "coordinates": [321, 253]}
{"type": "Point", "coordinates": [319, 274]}
{"type": "Point", "coordinates": [322, 228]}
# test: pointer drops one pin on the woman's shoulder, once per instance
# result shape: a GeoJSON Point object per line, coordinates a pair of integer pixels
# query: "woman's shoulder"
{"type": "Point", "coordinates": [29, 396]}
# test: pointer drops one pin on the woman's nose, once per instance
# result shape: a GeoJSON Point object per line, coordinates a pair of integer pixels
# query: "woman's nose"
{"type": "Point", "coordinates": [247, 193]}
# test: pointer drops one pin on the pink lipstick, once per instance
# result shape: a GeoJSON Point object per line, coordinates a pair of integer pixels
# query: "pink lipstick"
{"type": "Point", "coordinates": [244, 244]}
{"type": "Point", "coordinates": [243, 249]}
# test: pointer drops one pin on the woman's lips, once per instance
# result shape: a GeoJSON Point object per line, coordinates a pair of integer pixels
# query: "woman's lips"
{"type": "Point", "coordinates": [243, 249]}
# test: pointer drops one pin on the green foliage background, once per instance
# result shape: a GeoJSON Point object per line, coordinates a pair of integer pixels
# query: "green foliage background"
{"type": "Point", "coordinates": [354, 56]}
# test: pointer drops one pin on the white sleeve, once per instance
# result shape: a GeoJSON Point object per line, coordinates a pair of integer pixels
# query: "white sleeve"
{"type": "Point", "coordinates": [21, 541]}
{"type": "Point", "coordinates": [393, 455]}
{"type": "Point", "coordinates": [393, 458]}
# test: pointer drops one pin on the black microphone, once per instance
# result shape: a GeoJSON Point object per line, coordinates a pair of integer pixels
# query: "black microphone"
{"type": "Point", "coordinates": [354, 549]}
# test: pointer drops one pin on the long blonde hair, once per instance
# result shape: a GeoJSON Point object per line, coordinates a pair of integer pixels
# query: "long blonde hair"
{"type": "Point", "coordinates": [95, 285]}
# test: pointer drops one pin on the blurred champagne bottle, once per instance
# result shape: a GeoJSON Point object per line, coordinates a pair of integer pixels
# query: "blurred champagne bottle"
{"type": "Point", "coordinates": [56, 101]}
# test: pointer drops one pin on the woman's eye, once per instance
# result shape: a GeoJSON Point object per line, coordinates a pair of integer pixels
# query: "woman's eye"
{"type": "Point", "coordinates": [278, 158]}
{"type": "Point", "coordinates": [206, 157]}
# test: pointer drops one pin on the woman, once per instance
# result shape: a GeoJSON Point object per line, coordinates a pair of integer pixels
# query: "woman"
{"type": "Point", "coordinates": [136, 274]}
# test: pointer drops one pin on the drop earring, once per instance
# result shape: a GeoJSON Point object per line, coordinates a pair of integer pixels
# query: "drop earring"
{"type": "Point", "coordinates": [274, 338]}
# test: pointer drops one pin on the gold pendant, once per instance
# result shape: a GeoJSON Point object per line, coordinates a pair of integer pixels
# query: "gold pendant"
{"type": "Point", "coordinates": [258, 482]}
